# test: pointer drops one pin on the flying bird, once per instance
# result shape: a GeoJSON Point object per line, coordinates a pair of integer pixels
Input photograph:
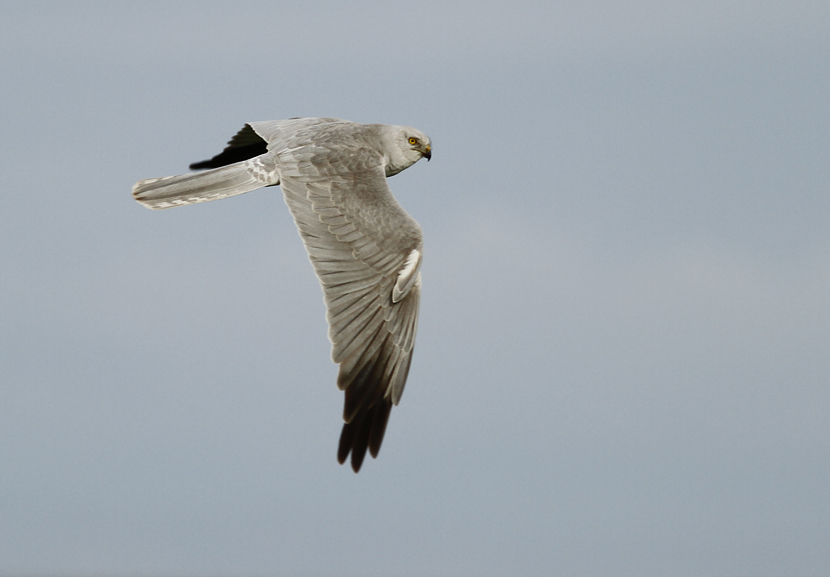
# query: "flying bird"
{"type": "Point", "coordinates": [365, 249]}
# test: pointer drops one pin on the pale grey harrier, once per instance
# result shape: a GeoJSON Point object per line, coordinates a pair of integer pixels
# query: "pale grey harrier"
{"type": "Point", "coordinates": [365, 249]}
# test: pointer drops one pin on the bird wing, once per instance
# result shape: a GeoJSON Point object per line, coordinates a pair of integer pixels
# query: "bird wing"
{"type": "Point", "coordinates": [256, 138]}
{"type": "Point", "coordinates": [366, 251]}
{"type": "Point", "coordinates": [244, 145]}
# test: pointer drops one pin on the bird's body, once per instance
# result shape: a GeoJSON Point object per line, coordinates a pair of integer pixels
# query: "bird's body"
{"type": "Point", "coordinates": [365, 249]}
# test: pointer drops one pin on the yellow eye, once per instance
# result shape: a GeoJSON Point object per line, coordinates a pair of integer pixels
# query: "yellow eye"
{"type": "Point", "coordinates": [413, 140]}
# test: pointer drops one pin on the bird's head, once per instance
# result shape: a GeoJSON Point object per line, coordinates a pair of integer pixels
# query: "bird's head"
{"type": "Point", "coordinates": [408, 146]}
{"type": "Point", "coordinates": [418, 144]}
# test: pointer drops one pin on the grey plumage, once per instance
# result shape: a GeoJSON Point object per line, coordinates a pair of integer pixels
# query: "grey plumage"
{"type": "Point", "coordinates": [365, 249]}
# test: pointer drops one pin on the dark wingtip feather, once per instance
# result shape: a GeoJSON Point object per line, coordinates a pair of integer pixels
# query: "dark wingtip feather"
{"type": "Point", "coordinates": [245, 144]}
{"type": "Point", "coordinates": [366, 431]}
{"type": "Point", "coordinates": [346, 442]}
{"type": "Point", "coordinates": [361, 441]}
{"type": "Point", "coordinates": [231, 155]}
{"type": "Point", "coordinates": [379, 420]}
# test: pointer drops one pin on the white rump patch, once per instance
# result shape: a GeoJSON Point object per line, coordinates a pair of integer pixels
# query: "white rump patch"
{"type": "Point", "coordinates": [263, 174]}
{"type": "Point", "coordinates": [406, 278]}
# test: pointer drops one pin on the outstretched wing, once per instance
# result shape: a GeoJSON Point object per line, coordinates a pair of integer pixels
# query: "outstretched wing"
{"type": "Point", "coordinates": [366, 251]}
{"type": "Point", "coordinates": [256, 138]}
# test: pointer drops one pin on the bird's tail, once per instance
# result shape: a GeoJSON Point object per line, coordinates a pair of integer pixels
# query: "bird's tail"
{"type": "Point", "coordinates": [170, 191]}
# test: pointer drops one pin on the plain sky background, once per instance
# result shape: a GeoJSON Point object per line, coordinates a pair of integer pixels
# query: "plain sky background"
{"type": "Point", "coordinates": [622, 365]}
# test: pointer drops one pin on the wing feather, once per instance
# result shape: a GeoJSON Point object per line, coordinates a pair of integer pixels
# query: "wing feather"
{"type": "Point", "coordinates": [358, 239]}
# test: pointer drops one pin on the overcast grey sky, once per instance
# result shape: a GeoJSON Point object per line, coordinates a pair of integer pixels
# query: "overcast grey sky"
{"type": "Point", "coordinates": [622, 362]}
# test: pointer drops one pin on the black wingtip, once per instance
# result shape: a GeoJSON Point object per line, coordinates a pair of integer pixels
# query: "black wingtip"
{"type": "Point", "coordinates": [245, 144]}
{"type": "Point", "coordinates": [203, 165]}
{"type": "Point", "coordinates": [364, 432]}
{"type": "Point", "coordinates": [232, 155]}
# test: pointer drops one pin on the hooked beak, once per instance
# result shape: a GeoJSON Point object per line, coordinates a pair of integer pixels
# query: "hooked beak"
{"type": "Point", "coordinates": [428, 152]}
